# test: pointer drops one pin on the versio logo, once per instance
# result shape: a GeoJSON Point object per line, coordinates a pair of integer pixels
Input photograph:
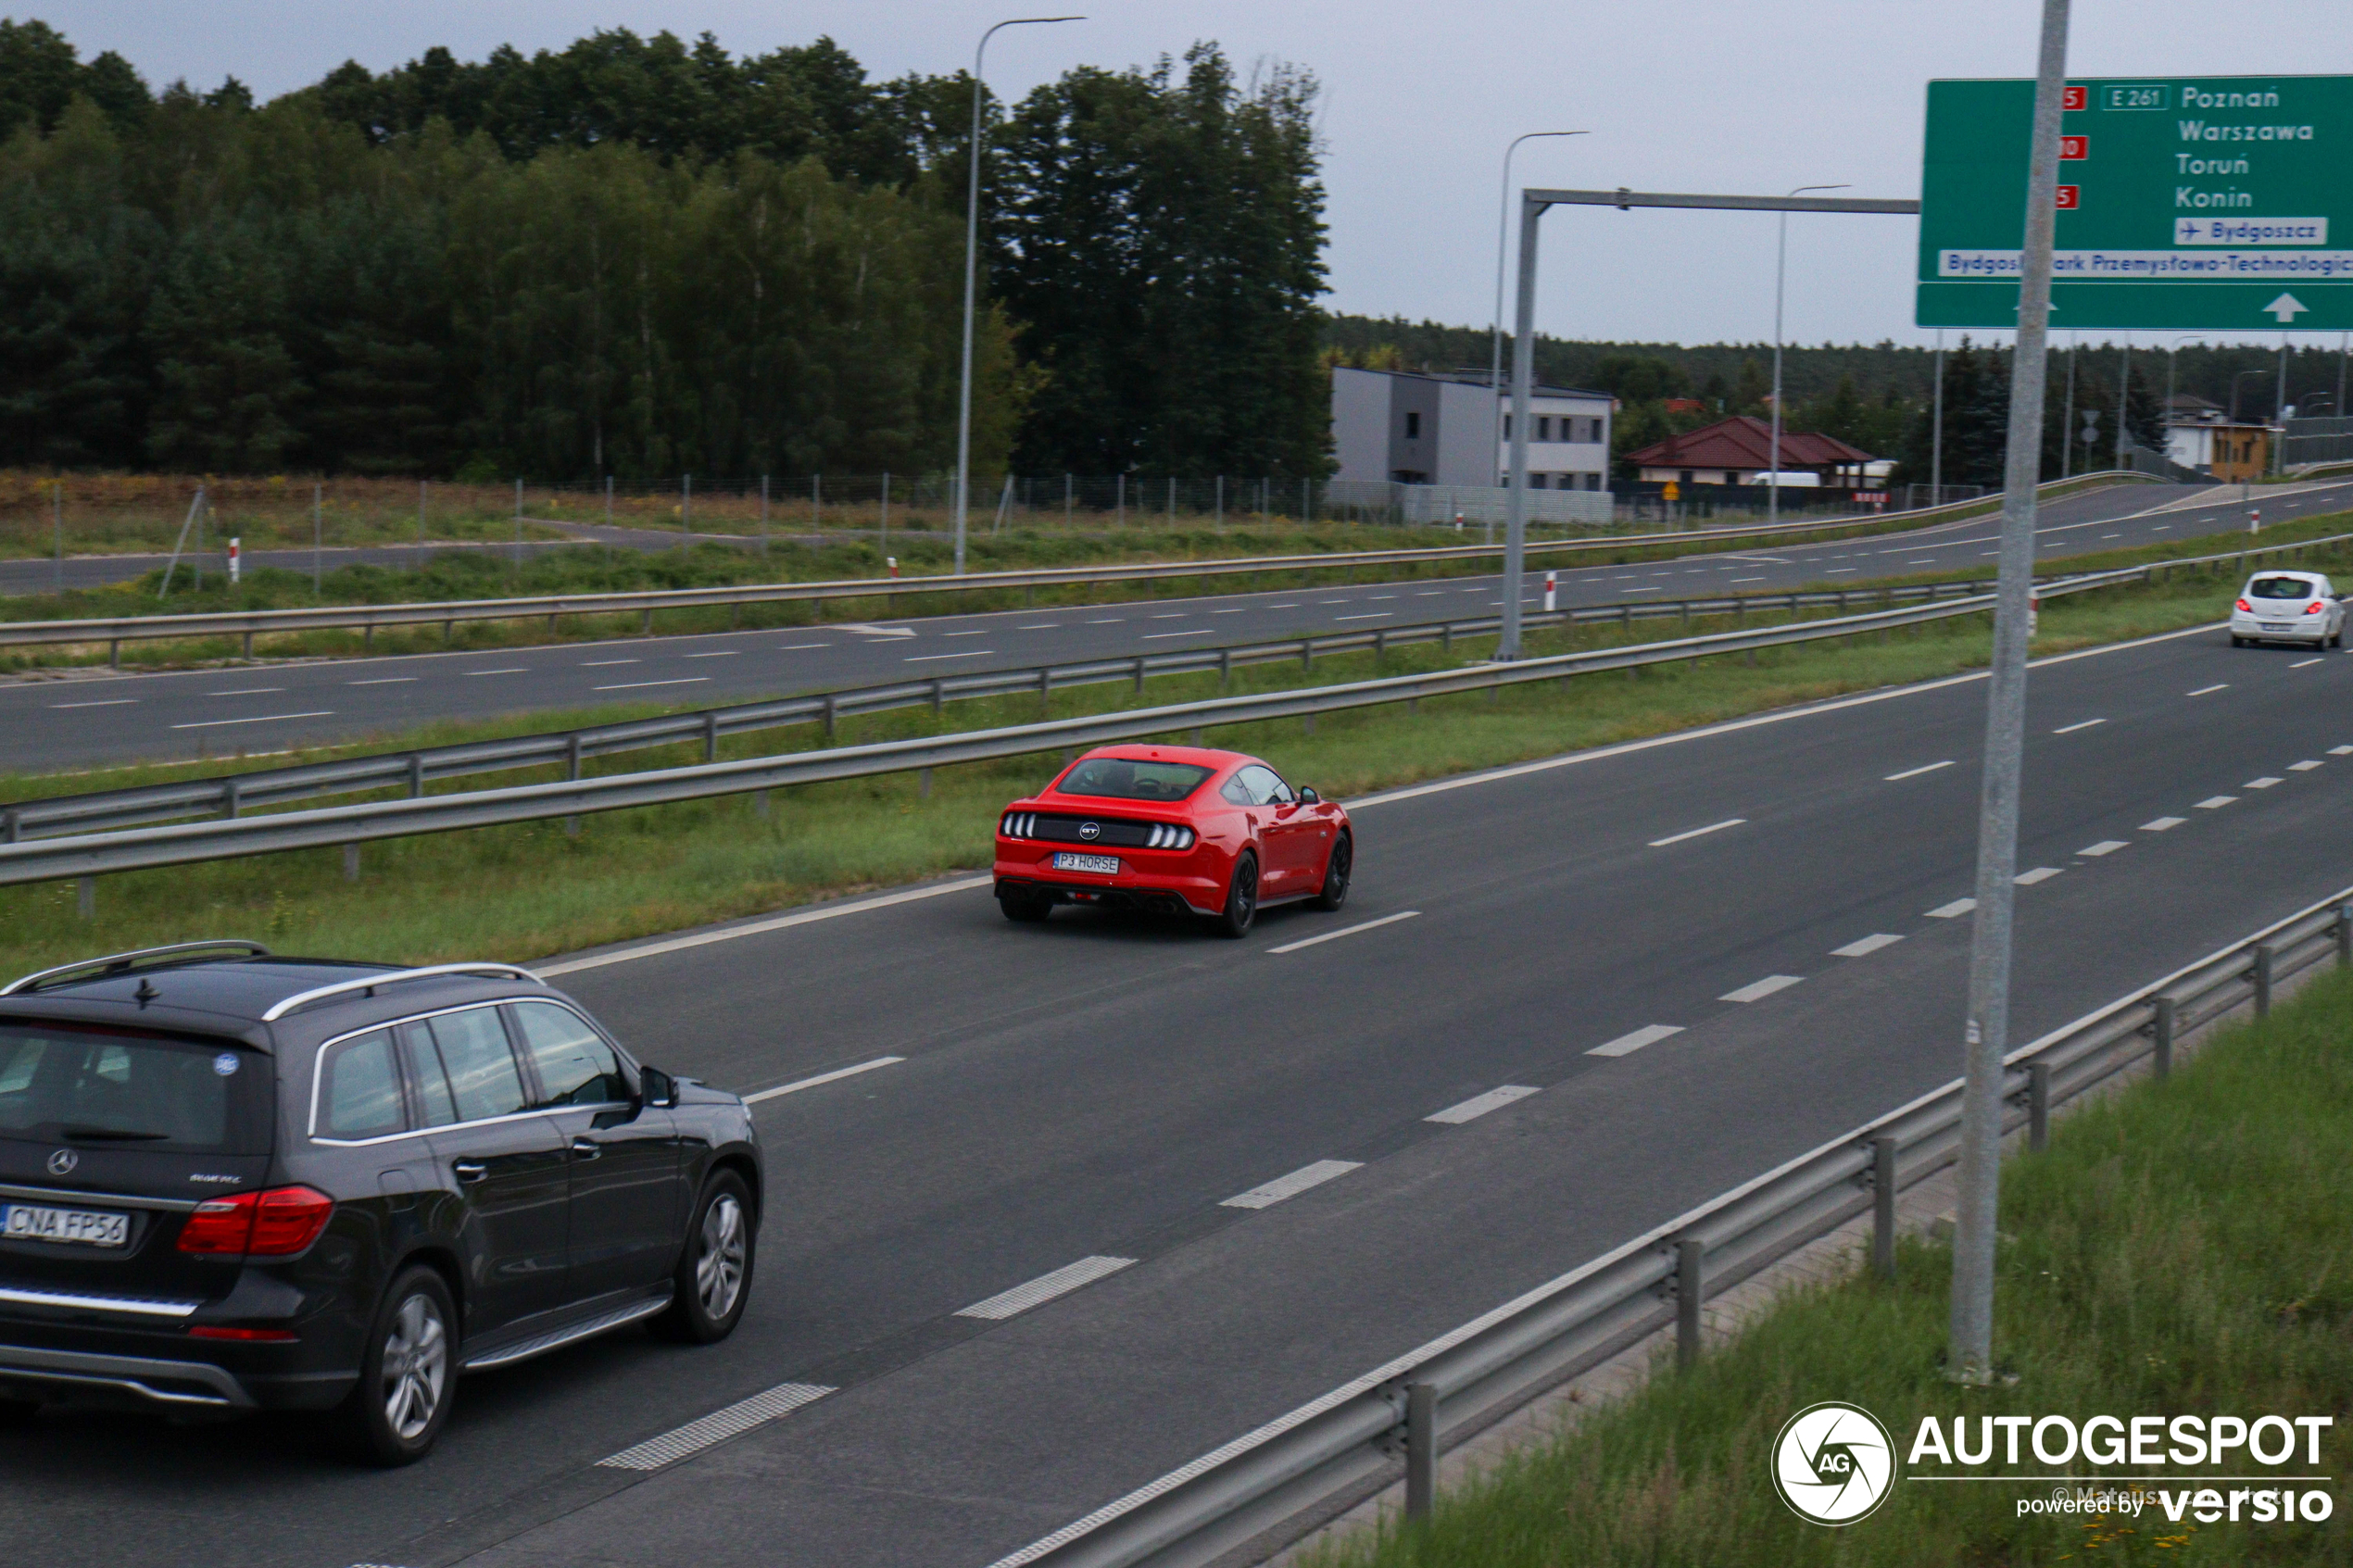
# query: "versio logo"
{"type": "Point", "coordinates": [1833, 1464]}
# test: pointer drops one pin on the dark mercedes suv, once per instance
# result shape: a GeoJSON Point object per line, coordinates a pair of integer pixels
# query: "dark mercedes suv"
{"type": "Point", "coordinates": [231, 1181]}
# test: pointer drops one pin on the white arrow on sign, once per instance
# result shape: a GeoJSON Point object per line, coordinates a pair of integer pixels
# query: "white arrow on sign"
{"type": "Point", "coordinates": [2287, 308]}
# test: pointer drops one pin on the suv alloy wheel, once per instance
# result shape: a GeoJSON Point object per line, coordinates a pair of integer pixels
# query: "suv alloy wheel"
{"type": "Point", "coordinates": [714, 1280]}
{"type": "Point", "coordinates": [407, 1372]}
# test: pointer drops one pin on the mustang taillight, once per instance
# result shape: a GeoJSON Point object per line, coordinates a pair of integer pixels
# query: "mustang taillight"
{"type": "Point", "coordinates": [2245, 608]}
{"type": "Point", "coordinates": [1165, 835]}
{"type": "Point", "coordinates": [277, 1223]}
{"type": "Point", "coordinates": [1019, 824]}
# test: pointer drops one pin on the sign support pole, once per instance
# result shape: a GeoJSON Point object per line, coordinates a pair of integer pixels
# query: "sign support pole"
{"type": "Point", "coordinates": [1970, 1356]}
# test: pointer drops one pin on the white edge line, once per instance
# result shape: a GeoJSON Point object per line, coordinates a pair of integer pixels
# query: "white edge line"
{"type": "Point", "coordinates": [759, 927]}
{"type": "Point", "coordinates": [1348, 931]}
{"type": "Point", "coordinates": [260, 718]}
{"type": "Point", "coordinates": [836, 1076]}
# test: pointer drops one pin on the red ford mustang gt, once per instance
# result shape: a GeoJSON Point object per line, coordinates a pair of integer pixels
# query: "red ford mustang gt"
{"type": "Point", "coordinates": [1175, 828]}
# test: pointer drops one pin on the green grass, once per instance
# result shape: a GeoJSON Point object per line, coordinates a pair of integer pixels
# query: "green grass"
{"type": "Point", "coordinates": [2180, 1248]}
{"type": "Point", "coordinates": [526, 891]}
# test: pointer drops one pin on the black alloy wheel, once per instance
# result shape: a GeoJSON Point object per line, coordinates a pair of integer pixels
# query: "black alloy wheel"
{"type": "Point", "coordinates": [1241, 898]}
{"type": "Point", "coordinates": [714, 1279]}
{"type": "Point", "coordinates": [408, 1373]}
{"type": "Point", "coordinates": [1025, 907]}
{"type": "Point", "coordinates": [1337, 869]}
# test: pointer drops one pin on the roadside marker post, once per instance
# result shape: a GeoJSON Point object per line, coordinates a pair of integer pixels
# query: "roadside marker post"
{"type": "Point", "coordinates": [1551, 589]}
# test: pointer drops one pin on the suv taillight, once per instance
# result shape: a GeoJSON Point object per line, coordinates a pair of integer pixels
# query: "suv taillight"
{"type": "Point", "coordinates": [277, 1223]}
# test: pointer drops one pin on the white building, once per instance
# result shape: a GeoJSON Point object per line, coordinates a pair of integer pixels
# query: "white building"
{"type": "Point", "coordinates": [1400, 427]}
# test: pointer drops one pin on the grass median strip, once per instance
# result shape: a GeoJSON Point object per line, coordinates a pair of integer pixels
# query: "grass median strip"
{"type": "Point", "coordinates": [524, 892]}
{"type": "Point", "coordinates": [2179, 1249]}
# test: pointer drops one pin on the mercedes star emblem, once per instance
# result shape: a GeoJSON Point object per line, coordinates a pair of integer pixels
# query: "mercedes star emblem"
{"type": "Point", "coordinates": [62, 1162]}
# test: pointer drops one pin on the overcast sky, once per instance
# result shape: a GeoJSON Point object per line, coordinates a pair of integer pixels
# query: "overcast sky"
{"type": "Point", "coordinates": [1419, 99]}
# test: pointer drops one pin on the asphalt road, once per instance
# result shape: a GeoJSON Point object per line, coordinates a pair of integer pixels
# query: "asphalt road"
{"type": "Point", "coordinates": [267, 708]}
{"type": "Point", "coordinates": [1766, 903]}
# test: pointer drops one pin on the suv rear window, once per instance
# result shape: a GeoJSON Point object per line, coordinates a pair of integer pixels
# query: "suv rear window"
{"type": "Point", "coordinates": [94, 1086]}
{"type": "Point", "coordinates": [1124, 778]}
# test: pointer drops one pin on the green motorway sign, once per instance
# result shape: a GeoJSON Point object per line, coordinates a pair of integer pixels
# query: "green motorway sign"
{"type": "Point", "coordinates": [2198, 203]}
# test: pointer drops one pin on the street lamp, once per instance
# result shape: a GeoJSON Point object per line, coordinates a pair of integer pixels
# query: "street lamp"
{"type": "Point", "coordinates": [1502, 228]}
{"type": "Point", "coordinates": [1780, 268]}
{"type": "Point", "coordinates": [972, 246]}
{"type": "Point", "coordinates": [2234, 392]}
{"type": "Point", "coordinates": [2171, 355]}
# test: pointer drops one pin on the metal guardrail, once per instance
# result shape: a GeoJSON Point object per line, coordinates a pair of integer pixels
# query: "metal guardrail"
{"type": "Point", "coordinates": [230, 794]}
{"type": "Point", "coordinates": [89, 854]}
{"type": "Point", "coordinates": [1351, 1438]}
{"type": "Point", "coordinates": [249, 625]}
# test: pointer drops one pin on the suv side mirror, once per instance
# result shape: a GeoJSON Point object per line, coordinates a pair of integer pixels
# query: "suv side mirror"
{"type": "Point", "coordinates": [1307, 796]}
{"type": "Point", "coordinates": [656, 1088]}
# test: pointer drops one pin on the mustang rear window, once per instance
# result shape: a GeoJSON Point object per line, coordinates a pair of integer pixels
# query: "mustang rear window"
{"type": "Point", "coordinates": [99, 1088]}
{"type": "Point", "coordinates": [1122, 778]}
{"type": "Point", "coordinates": [2281, 588]}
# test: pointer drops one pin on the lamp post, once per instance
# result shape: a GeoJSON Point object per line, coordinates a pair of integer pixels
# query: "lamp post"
{"type": "Point", "coordinates": [2170, 356]}
{"type": "Point", "coordinates": [1781, 268]}
{"type": "Point", "coordinates": [971, 248]}
{"type": "Point", "coordinates": [1503, 233]}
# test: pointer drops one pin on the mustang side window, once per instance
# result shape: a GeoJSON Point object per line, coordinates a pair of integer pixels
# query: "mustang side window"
{"type": "Point", "coordinates": [362, 1098]}
{"type": "Point", "coordinates": [576, 1066]}
{"type": "Point", "coordinates": [1266, 787]}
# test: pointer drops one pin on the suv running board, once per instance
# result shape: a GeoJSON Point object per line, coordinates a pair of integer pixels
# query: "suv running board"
{"type": "Point", "coordinates": [556, 1339]}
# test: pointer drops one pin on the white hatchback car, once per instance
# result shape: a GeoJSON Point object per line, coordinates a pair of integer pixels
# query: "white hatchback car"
{"type": "Point", "coordinates": [2289, 606]}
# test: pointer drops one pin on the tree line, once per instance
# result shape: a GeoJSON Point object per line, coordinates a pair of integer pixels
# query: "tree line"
{"type": "Point", "coordinates": [640, 257]}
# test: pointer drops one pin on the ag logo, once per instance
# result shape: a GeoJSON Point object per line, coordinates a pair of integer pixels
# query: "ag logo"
{"type": "Point", "coordinates": [1833, 1464]}
{"type": "Point", "coordinates": [1091, 831]}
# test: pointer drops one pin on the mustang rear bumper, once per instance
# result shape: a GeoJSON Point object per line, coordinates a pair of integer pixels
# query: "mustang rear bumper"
{"type": "Point", "coordinates": [1162, 894]}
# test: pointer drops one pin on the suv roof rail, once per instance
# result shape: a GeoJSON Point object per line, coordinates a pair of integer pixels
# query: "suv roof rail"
{"type": "Point", "coordinates": [116, 963]}
{"type": "Point", "coordinates": [279, 1010]}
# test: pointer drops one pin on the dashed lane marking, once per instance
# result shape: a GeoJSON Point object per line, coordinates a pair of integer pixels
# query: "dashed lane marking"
{"type": "Point", "coordinates": [1345, 930]}
{"type": "Point", "coordinates": [1957, 907]}
{"type": "Point", "coordinates": [385, 681]}
{"type": "Point", "coordinates": [2305, 664]}
{"type": "Point", "coordinates": [2079, 724]}
{"type": "Point", "coordinates": [1044, 1288]}
{"type": "Point", "coordinates": [1865, 945]}
{"type": "Point", "coordinates": [2266, 782]}
{"type": "Point", "coordinates": [2164, 824]}
{"type": "Point", "coordinates": [1271, 1193]}
{"type": "Point", "coordinates": [2215, 802]}
{"type": "Point", "coordinates": [2341, 751]}
{"type": "Point", "coordinates": [2209, 691]}
{"type": "Point", "coordinates": [968, 653]}
{"type": "Point", "coordinates": [2105, 846]}
{"type": "Point", "coordinates": [510, 669]}
{"type": "Point", "coordinates": [1916, 773]}
{"type": "Point", "coordinates": [716, 1427]}
{"type": "Point", "coordinates": [2305, 766]}
{"type": "Point", "coordinates": [2040, 873]}
{"type": "Point", "coordinates": [1695, 832]}
{"type": "Point", "coordinates": [1627, 1045]}
{"type": "Point", "coordinates": [632, 685]}
{"type": "Point", "coordinates": [608, 663]}
{"type": "Point", "coordinates": [835, 1076]}
{"type": "Point", "coordinates": [1757, 990]}
{"type": "Point", "coordinates": [247, 691]}
{"type": "Point", "coordinates": [114, 702]}
{"type": "Point", "coordinates": [1477, 1106]}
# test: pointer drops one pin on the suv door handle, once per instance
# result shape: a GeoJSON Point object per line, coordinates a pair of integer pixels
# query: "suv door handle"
{"type": "Point", "coordinates": [586, 1149]}
{"type": "Point", "coordinates": [471, 1170]}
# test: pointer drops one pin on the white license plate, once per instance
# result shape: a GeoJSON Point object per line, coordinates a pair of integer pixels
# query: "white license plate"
{"type": "Point", "coordinates": [22, 1221]}
{"type": "Point", "coordinates": [1108, 865]}
{"type": "Point", "coordinates": [2278, 625]}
